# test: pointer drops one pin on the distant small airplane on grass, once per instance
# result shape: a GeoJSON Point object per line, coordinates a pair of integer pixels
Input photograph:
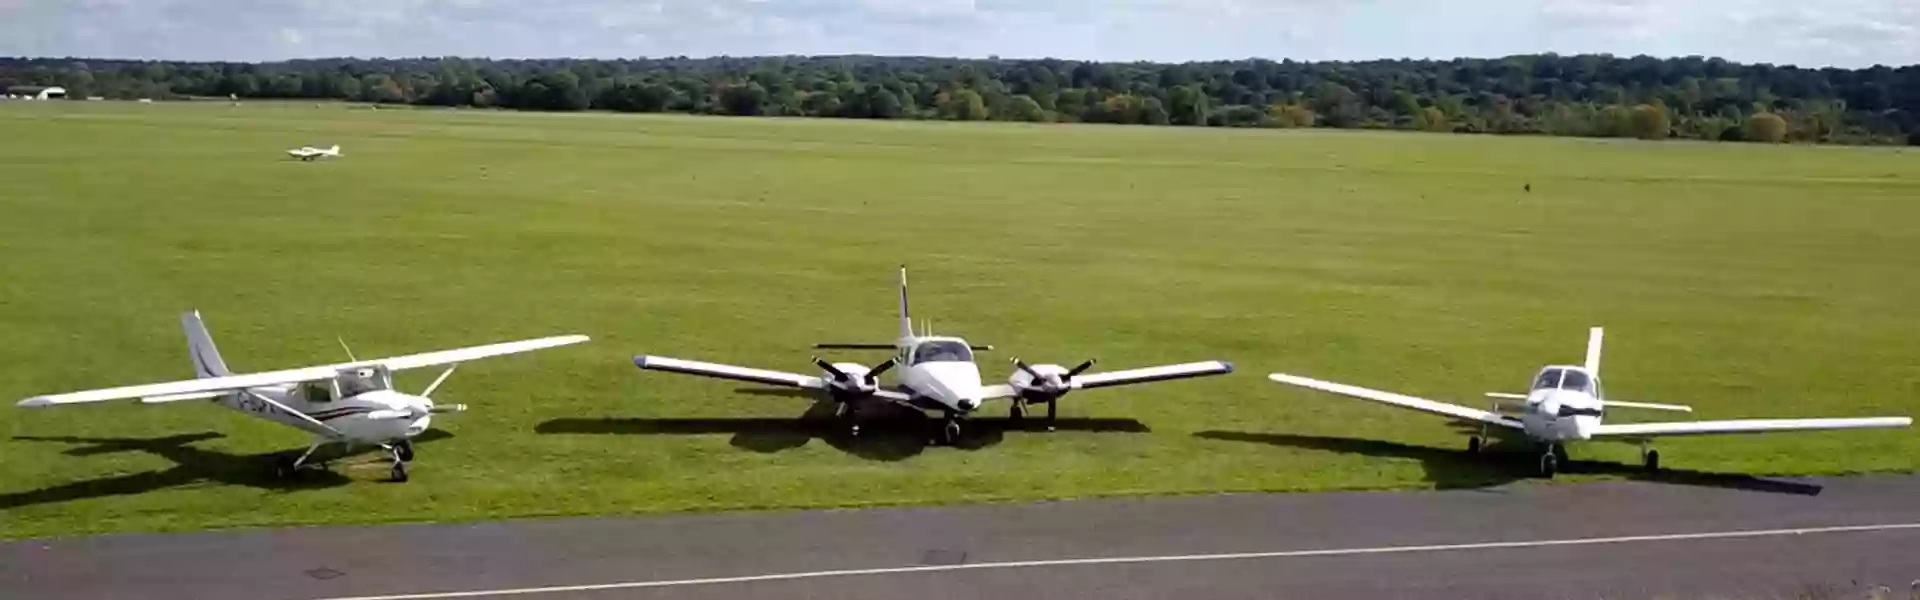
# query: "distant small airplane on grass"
{"type": "Point", "coordinates": [352, 404]}
{"type": "Point", "coordinates": [938, 375]}
{"type": "Point", "coordinates": [308, 153]}
{"type": "Point", "coordinates": [1566, 404]}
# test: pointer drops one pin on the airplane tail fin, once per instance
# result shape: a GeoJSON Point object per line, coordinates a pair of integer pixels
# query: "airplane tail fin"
{"type": "Point", "coordinates": [1593, 351]}
{"type": "Point", "coordinates": [906, 320]}
{"type": "Point", "coordinates": [206, 358]}
{"type": "Point", "coordinates": [335, 150]}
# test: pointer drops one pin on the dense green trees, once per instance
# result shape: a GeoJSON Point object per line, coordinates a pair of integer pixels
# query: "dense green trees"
{"type": "Point", "coordinates": [1585, 95]}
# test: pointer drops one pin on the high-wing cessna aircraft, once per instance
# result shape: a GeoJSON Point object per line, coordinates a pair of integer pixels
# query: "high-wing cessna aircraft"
{"type": "Point", "coordinates": [311, 153]}
{"type": "Point", "coordinates": [353, 403]}
{"type": "Point", "coordinates": [937, 374]}
{"type": "Point", "coordinates": [1566, 404]}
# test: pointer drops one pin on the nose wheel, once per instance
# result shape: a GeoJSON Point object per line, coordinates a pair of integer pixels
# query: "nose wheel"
{"type": "Point", "coordinates": [1550, 461]}
{"type": "Point", "coordinates": [950, 432]}
{"type": "Point", "coordinates": [403, 449]}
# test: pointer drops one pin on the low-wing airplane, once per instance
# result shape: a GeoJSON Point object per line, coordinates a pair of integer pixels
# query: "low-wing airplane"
{"type": "Point", "coordinates": [352, 404]}
{"type": "Point", "coordinates": [936, 374]}
{"type": "Point", "coordinates": [311, 153]}
{"type": "Point", "coordinates": [1566, 404]}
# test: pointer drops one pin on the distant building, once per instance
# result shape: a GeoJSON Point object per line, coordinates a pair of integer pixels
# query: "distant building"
{"type": "Point", "coordinates": [36, 92]}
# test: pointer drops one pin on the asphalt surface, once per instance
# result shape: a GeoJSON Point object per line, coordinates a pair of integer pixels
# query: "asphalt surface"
{"type": "Point", "coordinates": [1721, 538]}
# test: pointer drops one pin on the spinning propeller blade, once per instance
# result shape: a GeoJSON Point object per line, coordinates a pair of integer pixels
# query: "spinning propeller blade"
{"type": "Point", "coordinates": [1080, 369]}
{"type": "Point", "coordinates": [874, 374]}
{"type": "Point", "coordinates": [343, 346]}
{"type": "Point", "coordinates": [838, 375]}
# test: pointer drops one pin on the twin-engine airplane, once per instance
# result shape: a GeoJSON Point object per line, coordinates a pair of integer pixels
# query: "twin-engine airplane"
{"type": "Point", "coordinates": [1566, 404]}
{"type": "Point", "coordinates": [311, 153]}
{"type": "Point", "coordinates": [936, 374]}
{"type": "Point", "coordinates": [352, 404]}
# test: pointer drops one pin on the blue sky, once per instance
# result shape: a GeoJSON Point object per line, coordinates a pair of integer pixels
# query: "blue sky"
{"type": "Point", "coordinates": [1849, 33]}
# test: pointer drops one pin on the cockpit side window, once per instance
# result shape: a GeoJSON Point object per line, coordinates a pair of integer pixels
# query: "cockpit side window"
{"type": "Point", "coordinates": [1548, 379]}
{"type": "Point", "coordinates": [942, 351]}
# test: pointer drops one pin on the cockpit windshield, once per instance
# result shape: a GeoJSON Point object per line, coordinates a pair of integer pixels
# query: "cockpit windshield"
{"type": "Point", "coordinates": [1576, 381]}
{"type": "Point", "coordinates": [1565, 379]}
{"type": "Point", "coordinates": [942, 351]}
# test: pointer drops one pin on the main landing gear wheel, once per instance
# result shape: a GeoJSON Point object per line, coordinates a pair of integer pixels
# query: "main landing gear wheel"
{"type": "Point", "coordinates": [1016, 412]}
{"type": "Point", "coordinates": [850, 417]}
{"type": "Point", "coordinates": [1549, 463]}
{"type": "Point", "coordinates": [399, 472]}
{"type": "Point", "coordinates": [283, 467]}
{"type": "Point", "coordinates": [1053, 413]}
{"type": "Point", "coordinates": [1474, 445]}
{"type": "Point", "coordinates": [404, 450]}
{"type": "Point", "coordinates": [1652, 461]}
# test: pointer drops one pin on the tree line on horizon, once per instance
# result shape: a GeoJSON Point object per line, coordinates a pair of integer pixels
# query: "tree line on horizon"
{"type": "Point", "coordinates": [1547, 94]}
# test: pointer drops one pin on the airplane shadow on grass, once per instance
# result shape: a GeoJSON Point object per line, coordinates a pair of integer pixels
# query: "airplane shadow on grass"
{"type": "Point", "coordinates": [191, 466]}
{"type": "Point", "coordinates": [1507, 461]}
{"type": "Point", "coordinates": [888, 432]}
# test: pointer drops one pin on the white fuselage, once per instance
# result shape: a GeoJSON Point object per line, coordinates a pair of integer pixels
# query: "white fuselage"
{"type": "Point", "coordinates": [1567, 408]}
{"type": "Point", "coordinates": [366, 418]}
{"type": "Point", "coordinates": [941, 370]}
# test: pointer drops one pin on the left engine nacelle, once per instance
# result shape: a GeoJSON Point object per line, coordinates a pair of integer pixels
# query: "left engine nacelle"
{"type": "Point", "coordinates": [855, 383]}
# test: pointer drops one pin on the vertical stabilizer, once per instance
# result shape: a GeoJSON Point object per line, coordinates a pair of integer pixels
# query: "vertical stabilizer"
{"type": "Point", "coordinates": [906, 320]}
{"type": "Point", "coordinates": [1593, 351]}
{"type": "Point", "coordinates": [206, 358]}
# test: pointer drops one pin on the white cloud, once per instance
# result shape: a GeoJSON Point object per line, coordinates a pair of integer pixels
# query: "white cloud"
{"type": "Point", "coordinates": [1845, 32]}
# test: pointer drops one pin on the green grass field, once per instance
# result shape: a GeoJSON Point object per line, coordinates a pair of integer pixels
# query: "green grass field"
{"type": "Point", "coordinates": [1748, 281]}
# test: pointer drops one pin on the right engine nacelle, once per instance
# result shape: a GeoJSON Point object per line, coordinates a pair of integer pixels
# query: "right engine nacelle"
{"type": "Point", "coordinates": [1046, 388]}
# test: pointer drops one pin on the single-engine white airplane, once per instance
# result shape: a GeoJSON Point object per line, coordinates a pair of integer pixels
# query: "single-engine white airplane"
{"type": "Point", "coordinates": [352, 404]}
{"type": "Point", "coordinates": [1566, 404]}
{"type": "Point", "coordinates": [311, 153]}
{"type": "Point", "coordinates": [937, 374]}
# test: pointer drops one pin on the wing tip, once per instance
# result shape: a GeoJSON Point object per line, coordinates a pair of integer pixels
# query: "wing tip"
{"type": "Point", "coordinates": [1226, 367]}
{"type": "Point", "coordinates": [640, 360]}
{"type": "Point", "coordinates": [35, 402]}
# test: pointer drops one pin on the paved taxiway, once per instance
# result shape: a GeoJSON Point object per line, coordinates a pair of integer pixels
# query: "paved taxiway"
{"type": "Point", "coordinates": [1719, 537]}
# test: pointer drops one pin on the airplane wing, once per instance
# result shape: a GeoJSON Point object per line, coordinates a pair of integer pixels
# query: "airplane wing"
{"type": "Point", "coordinates": [1126, 377]}
{"type": "Point", "coordinates": [447, 357]}
{"type": "Point", "coordinates": [748, 374]}
{"type": "Point", "coordinates": [1635, 431]}
{"type": "Point", "coordinates": [204, 388]}
{"type": "Point", "coordinates": [1402, 401]}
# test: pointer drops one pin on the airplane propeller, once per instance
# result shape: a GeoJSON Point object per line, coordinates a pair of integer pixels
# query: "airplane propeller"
{"type": "Point", "coordinates": [1052, 384]}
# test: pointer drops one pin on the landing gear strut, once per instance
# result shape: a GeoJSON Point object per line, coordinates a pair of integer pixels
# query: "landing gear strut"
{"type": "Point", "coordinates": [1550, 461]}
{"type": "Point", "coordinates": [850, 416]}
